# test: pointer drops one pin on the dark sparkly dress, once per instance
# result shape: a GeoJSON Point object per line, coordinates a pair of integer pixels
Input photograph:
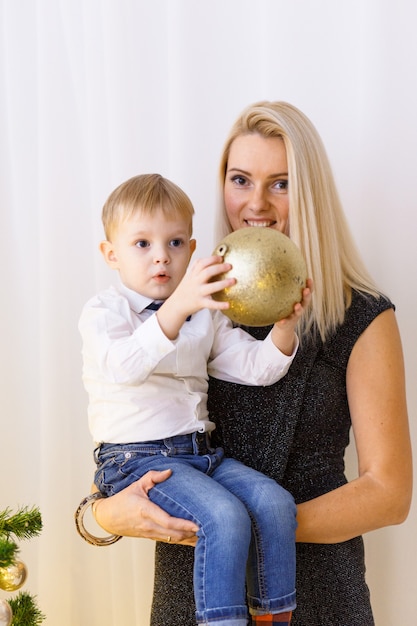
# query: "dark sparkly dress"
{"type": "Point", "coordinates": [295, 431]}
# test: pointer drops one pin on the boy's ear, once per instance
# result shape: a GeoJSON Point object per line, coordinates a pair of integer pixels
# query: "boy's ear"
{"type": "Point", "coordinates": [107, 250]}
{"type": "Point", "coordinates": [193, 245]}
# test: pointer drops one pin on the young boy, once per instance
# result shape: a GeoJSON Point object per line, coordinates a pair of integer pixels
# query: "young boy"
{"type": "Point", "coordinates": [148, 347]}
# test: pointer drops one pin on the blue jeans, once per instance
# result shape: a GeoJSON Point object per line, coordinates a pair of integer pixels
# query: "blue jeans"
{"type": "Point", "coordinates": [246, 522]}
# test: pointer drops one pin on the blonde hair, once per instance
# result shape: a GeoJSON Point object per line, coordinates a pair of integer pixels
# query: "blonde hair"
{"type": "Point", "coordinates": [317, 223]}
{"type": "Point", "coordinates": [146, 193]}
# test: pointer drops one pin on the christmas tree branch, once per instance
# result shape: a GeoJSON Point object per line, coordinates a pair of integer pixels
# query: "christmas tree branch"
{"type": "Point", "coordinates": [25, 611]}
{"type": "Point", "coordinates": [8, 552]}
{"type": "Point", "coordinates": [24, 524]}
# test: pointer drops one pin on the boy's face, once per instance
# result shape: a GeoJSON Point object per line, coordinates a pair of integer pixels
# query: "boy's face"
{"type": "Point", "coordinates": [151, 253]}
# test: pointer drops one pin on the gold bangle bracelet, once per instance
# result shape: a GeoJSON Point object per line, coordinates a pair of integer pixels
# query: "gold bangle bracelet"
{"type": "Point", "coordinates": [79, 523]}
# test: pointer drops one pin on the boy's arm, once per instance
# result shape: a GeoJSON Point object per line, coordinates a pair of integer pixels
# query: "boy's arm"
{"type": "Point", "coordinates": [283, 332]}
{"type": "Point", "coordinates": [237, 357]}
{"type": "Point", "coordinates": [113, 348]}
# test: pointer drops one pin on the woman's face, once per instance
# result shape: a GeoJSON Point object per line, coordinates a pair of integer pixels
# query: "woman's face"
{"type": "Point", "coordinates": [256, 183]}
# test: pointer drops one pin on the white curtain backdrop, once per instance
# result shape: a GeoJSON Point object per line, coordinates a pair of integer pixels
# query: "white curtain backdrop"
{"type": "Point", "coordinates": [95, 91]}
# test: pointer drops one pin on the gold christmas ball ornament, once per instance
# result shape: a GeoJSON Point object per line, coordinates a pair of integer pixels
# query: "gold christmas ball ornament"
{"type": "Point", "coordinates": [270, 275]}
{"type": "Point", "coordinates": [13, 577]}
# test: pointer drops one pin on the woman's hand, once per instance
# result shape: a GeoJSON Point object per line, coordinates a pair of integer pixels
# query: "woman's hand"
{"type": "Point", "coordinates": [131, 513]}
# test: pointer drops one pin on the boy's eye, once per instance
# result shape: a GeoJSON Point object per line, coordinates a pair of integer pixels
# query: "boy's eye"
{"type": "Point", "coordinates": [176, 243]}
{"type": "Point", "coordinates": [142, 243]}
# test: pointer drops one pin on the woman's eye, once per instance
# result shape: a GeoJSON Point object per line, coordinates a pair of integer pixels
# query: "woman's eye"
{"type": "Point", "coordinates": [239, 180]}
{"type": "Point", "coordinates": [281, 186]}
{"type": "Point", "coordinates": [142, 243]}
{"type": "Point", "coordinates": [176, 243]}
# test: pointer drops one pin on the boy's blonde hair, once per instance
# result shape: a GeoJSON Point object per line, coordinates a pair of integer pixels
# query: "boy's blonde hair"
{"type": "Point", "coordinates": [316, 221]}
{"type": "Point", "coordinates": [146, 193]}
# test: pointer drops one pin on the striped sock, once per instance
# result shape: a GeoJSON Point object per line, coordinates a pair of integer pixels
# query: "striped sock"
{"type": "Point", "coordinates": [284, 619]}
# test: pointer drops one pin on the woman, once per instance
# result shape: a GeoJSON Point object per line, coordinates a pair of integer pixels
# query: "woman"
{"type": "Point", "coordinates": [348, 372]}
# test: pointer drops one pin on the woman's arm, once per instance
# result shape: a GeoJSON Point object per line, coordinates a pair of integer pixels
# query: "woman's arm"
{"type": "Point", "coordinates": [381, 495]}
{"type": "Point", "coordinates": [132, 514]}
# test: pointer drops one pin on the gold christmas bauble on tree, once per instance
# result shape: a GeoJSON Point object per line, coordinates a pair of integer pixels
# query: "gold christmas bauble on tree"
{"type": "Point", "coordinates": [270, 272]}
{"type": "Point", "coordinates": [13, 577]}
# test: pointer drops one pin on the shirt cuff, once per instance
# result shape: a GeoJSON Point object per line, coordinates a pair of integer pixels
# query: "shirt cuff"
{"type": "Point", "coordinates": [278, 361]}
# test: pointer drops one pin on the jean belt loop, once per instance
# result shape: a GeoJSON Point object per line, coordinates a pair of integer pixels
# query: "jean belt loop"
{"type": "Point", "coordinates": [200, 443]}
{"type": "Point", "coordinates": [96, 452]}
{"type": "Point", "coordinates": [194, 442]}
{"type": "Point", "coordinates": [168, 444]}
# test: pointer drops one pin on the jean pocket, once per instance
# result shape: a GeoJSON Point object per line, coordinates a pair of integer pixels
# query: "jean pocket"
{"type": "Point", "coordinates": [115, 472]}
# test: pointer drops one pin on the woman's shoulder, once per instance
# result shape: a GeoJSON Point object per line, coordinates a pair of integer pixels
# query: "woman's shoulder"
{"type": "Point", "coordinates": [363, 309]}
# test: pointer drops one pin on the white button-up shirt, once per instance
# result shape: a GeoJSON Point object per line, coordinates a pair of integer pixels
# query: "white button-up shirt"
{"type": "Point", "coordinates": [142, 386]}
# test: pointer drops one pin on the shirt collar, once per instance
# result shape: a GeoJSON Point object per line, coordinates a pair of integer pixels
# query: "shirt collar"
{"type": "Point", "coordinates": [137, 302]}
